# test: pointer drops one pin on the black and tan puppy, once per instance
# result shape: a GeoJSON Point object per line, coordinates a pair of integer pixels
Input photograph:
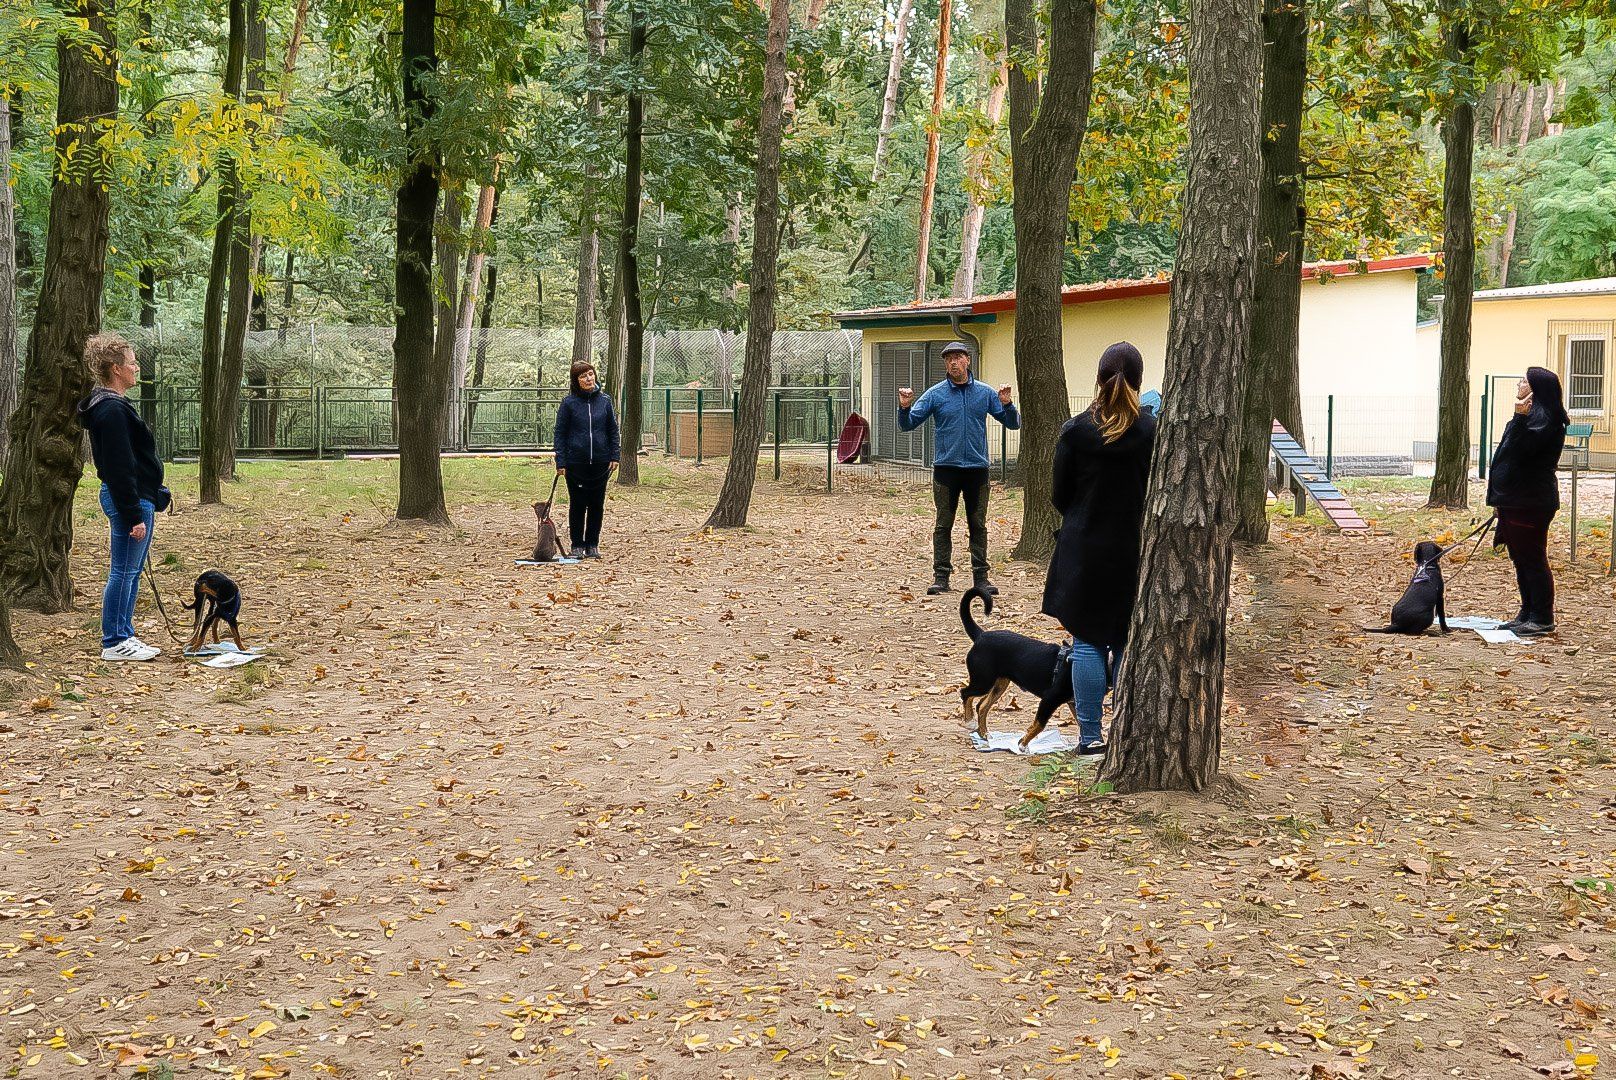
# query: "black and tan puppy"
{"type": "Point", "coordinates": [998, 658]}
{"type": "Point", "coordinates": [216, 599]}
{"type": "Point", "coordinates": [1421, 603]}
{"type": "Point", "coordinates": [547, 548]}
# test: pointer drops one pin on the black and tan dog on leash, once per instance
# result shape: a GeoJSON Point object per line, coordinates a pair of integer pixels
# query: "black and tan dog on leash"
{"type": "Point", "coordinates": [216, 599]}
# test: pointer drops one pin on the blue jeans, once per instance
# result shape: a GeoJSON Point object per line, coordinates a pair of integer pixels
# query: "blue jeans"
{"type": "Point", "coordinates": [123, 573]}
{"type": "Point", "coordinates": [1093, 668]}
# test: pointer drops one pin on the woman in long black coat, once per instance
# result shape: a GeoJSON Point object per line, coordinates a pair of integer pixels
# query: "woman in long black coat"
{"type": "Point", "coordinates": [1102, 465]}
{"type": "Point", "coordinates": [1524, 487]}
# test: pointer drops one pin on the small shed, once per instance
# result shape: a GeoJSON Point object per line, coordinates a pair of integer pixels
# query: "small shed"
{"type": "Point", "coordinates": [1358, 340]}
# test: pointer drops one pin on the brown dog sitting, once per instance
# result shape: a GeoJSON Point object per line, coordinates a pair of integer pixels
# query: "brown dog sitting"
{"type": "Point", "coordinates": [548, 546]}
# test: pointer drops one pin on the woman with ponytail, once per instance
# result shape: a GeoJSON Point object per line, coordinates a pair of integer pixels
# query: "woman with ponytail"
{"type": "Point", "coordinates": [1102, 466]}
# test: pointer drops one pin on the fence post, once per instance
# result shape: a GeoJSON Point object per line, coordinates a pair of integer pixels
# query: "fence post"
{"type": "Point", "coordinates": [735, 407]}
{"type": "Point", "coordinates": [698, 425]}
{"type": "Point", "coordinates": [777, 434]}
{"type": "Point", "coordinates": [667, 421]}
{"type": "Point", "coordinates": [317, 411]}
{"type": "Point", "coordinates": [1573, 507]}
{"type": "Point", "coordinates": [830, 440]}
{"type": "Point", "coordinates": [1004, 455]}
{"type": "Point", "coordinates": [1486, 413]}
{"type": "Point", "coordinates": [1329, 437]}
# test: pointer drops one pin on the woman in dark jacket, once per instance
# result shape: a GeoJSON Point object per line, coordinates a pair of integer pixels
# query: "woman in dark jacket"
{"type": "Point", "coordinates": [1524, 487]}
{"type": "Point", "coordinates": [132, 488]}
{"type": "Point", "coordinates": [586, 453]}
{"type": "Point", "coordinates": [1102, 465]}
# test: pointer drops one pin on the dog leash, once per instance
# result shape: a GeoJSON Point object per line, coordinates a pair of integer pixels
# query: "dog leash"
{"type": "Point", "coordinates": [1480, 533]}
{"type": "Point", "coordinates": [151, 577]}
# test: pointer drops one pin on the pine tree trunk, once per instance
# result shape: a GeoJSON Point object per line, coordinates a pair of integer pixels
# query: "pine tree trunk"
{"type": "Point", "coordinates": [466, 314]}
{"type": "Point", "coordinates": [1451, 482]}
{"type": "Point", "coordinates": [1528, 123]}
{"type": "Point", "coordinates": [934, 133]}
{"type": "Point", "coordinates": [583, 319]}
{"type": "Point", "coordinates": [889, 98]}
{"type": "Point", "coordinates": [213, 451]}
{"type": "Point", "coordinates": [965, 277]}
{"type": "Point", "coordinates": [1047, 125]}
{"type": "Point", "coordinates": [9, 372]}
{"type": "Point", "coordinates": [419, 381]}
{"type": "Point", "coordinates": [451, 239]}
{"type": "Point", "coordinates": [633, 411]}
{"type": "Point", "coordinates": [1271, 378]}
{"type": "Point", "coordinates": [479, 370]}
{"type": "Point", "coordinates": [1169, 693]}
{"type": "Point", "coordinates": [44, 462]}
{"type": "Point", "coordinates": [616, 332]}
{"type": "Point", "coordinates": [735, 498]}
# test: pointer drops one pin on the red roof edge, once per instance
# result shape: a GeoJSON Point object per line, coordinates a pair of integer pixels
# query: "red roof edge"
{"type": "Point", "coordinates": [1093, 294]}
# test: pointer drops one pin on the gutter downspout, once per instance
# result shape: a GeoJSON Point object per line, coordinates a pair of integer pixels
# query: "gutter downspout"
{"type": "Point", "coordinates": [962, 334]}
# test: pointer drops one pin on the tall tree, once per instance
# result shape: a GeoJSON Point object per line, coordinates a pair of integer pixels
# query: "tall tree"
{"type": "Point", "coordinates": [934, 133]}
{"type": "Point", "coordinates": [1169, 694]}
{"type": "Point", "coordinates": [216, 433]}
{"type": "Point", "coordinates": [1450, 483]}
{"type": "Point", "coordinates": [1272, 381]}
{"type": "Point", "coordinates": [420, 380]}
{"type": "Point", "coordinates": [450, 239]}
{"type": "Point", "coordinates": [889, 98]}
{"type": "Point", "coordinates": [628, 253]}
{"type": "Point", "coordinates": [583, 319]}
{"type": "Point", "coordinates": [8, 278]}
{"type": "Point", "coordinates": [965, 275]}
{"type": "Point", "coordinates": [1047, 123]}
{"type": "Point", "coordinates": [735, 498]}
{"type": "Point", "coordinates": [44, 461]}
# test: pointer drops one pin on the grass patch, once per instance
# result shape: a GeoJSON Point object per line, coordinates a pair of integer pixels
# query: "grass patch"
{"type": "Point", "coordinates": [248, 683]}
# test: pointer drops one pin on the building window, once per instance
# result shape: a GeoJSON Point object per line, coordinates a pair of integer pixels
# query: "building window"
{"type": "Point", "coordinates": [1585, 373]}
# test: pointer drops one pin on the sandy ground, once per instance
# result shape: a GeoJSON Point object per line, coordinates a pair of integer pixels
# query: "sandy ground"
{"type": "Point", "coordinates": [706, 809]}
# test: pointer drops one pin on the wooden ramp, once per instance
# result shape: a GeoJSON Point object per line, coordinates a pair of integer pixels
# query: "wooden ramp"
{"type": "Point", "coordinates": [1298, 471]}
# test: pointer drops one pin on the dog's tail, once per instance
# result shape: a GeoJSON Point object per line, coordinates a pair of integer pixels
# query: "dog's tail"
{"type": "Point", "coordinates": [971, 629]}
{"type": "Point", "coordinates": [1381, 630]}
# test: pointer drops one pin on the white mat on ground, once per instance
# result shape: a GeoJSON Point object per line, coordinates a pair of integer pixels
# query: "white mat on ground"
{"type": "Point", "coordinates": [223, 655]}
{"type": "Point", "coordinates": [1491, 630]}
{"type": "Point", "coordinates": [1052, 740]}
{"type": "Point", "coordinates": [552, 562]}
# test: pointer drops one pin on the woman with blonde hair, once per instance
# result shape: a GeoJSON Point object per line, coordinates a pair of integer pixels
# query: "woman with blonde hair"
{"type": "Point", "coordinates": [1102, 466]}
{"type": "Point", "coordinates": [132, 490]}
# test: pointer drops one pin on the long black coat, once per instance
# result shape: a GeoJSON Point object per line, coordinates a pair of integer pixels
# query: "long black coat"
{"type": "Point", "coordinates": [1523, 474]}
{"type": "Point", "coordinates": [1099, 489]}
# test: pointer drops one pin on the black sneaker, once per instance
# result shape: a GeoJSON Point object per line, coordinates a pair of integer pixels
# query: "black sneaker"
{"type": "Point", "coordinates": [592, 551]}
{"type": "Point", "coordinates": [938, 586]}
{"type": "Point", "coordinates": [984, 585]}
{"type": "Point", "coordinates": [1532, 629]}
{"type": "Point", "coordinates": [1092, 748]}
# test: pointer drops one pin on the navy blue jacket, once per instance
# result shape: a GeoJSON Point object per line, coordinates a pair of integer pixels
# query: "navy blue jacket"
{"type": "Point", "coordinates": [586, 432]}
{"type": "Point", "coordinates": [961, 411]}
{"type": "Point", "coordinates": [125, 452]}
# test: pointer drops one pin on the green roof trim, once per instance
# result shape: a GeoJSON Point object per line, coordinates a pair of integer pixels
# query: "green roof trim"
{"type": "Point", "coordinates": [876, 322]}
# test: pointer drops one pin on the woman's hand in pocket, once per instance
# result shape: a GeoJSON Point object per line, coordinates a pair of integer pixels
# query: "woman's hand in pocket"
{"type": "Point", "coordinates": [138, 532]}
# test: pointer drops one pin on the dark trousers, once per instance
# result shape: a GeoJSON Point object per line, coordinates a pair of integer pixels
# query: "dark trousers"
{"type": "Point", "coordinates": [586, 495]}
{"type": "Point", "coordinates": [1526, 537]}
{"type": "Point", "coordinates": [948, 483]}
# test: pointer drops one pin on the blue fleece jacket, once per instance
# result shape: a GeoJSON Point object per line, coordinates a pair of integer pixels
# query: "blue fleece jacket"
{"type": "Point", "coordinates": [586, 435]}
{"type": "Point", "coordinates": [961, 411]}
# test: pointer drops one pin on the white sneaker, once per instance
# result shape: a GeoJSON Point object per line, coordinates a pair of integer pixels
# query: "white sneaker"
{"type": "Point", "coordinates": [129, 649]}
{"type": "Point", "coordinates": [155, 651]}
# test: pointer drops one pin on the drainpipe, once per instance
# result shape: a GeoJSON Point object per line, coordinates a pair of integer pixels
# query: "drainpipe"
{"type": "Point", "coordinates": [962, 334]}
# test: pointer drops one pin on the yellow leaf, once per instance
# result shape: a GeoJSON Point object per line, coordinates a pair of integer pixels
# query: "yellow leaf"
{"type": "Point", "coordinates": [262, 1029]}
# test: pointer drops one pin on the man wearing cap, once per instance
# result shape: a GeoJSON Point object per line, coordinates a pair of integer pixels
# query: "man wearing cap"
{"type": "Point", "coordinates": [960, 406]}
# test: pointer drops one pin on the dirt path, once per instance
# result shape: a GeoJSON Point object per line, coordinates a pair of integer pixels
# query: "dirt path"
{"type": "Point", "coordinates": [705, 809]}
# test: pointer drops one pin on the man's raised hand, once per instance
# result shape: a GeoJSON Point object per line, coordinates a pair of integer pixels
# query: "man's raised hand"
{"type": "Point", "coordinates": [906, 397]}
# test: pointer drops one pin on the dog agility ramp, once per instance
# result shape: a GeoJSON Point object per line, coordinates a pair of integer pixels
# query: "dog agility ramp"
{"type": "Point", "coordinates": [1298, 470]}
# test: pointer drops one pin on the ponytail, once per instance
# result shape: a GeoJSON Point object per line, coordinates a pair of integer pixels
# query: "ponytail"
{"type": "Point", "coordinates": [1115, 408]}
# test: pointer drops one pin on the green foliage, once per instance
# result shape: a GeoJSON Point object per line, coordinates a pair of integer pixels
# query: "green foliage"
{"type": "Point", "coordinates": [1571, 204]}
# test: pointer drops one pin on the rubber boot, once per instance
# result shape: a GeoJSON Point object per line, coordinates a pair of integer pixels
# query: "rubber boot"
{"type": "Point", "coordinates": [939, 585]}
{"type": "Point", "coordinates": [979, 580]}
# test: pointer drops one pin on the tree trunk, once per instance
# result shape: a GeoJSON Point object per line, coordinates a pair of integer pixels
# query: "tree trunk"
{"type": "Point", "coordinates": [294, 44]}
{"type": "Point", "coordinates": [889, 99]}
{"type": "Point", "coordinates": [735, 499]}
{"type": "Point", "coordinates": [1451, 482]}
{"type": "Point", "coordinates": [476, 255]}
{"type": "Point", "coordinates": [1272, 385]}
{"type": "Point", "coordinates": [479, 369]}
{"type": "Point", "coordinates": [8, 280]}
{"type": "Point", "coordinates": [44, 462]}
{"type": "Point", "coordinates": [965, 277]}
{"type": "Point", "coordinates": [213, 452]}
{"type": "Point", "coordinates": [583, 319]}
{"type": "Point", "coordinates": [628, 257]}
{"type": "Point", "coordinates": [1169, 693]}
{"type": "Point", "coordinates": [1047, 124]}
{"type": "Point", "coordinates": [616, 332]}
{"type": "Point", "coordinates": [451, 239]}
{"type": "Point", "coordinates": [419, 380]}
{"type": "Point", "coordinates": [934, 133]}
{"type": "Point", "coordinates": [1528, 122]}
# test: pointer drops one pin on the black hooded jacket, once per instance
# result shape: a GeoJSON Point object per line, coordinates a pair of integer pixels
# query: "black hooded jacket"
{"type": "Point", "coordinates": [125, 452]}
{"type": "Point", "coordinates": [1523, 472]}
